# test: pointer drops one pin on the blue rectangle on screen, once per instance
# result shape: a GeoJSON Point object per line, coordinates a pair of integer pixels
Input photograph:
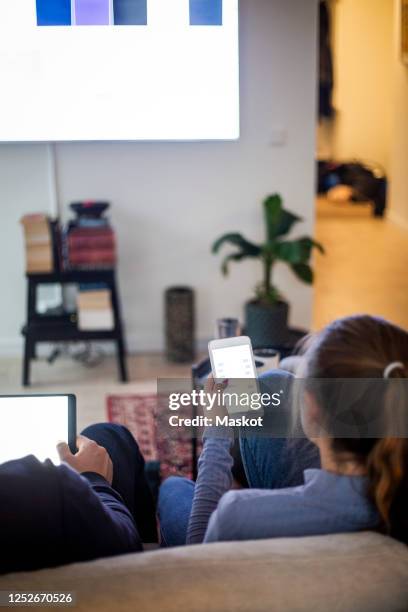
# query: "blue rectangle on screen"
{"type": "Point", "coordinates": [92, 12]}
{"type": "Point", "coordinates": [130, 12]}
{"type": "Point", "coordinates": [53, 12]}
{"type": "Point", "coordinates": [206, 12]}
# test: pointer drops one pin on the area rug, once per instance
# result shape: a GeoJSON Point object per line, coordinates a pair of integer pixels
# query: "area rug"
{"type": "Point", "coordinates": [141, 414]}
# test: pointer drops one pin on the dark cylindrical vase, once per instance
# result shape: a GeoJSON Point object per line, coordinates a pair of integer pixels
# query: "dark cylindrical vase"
{"type": "Point", "coordinates": [179, 306]}
{"type": "Point", "coordinates": [267, 325]}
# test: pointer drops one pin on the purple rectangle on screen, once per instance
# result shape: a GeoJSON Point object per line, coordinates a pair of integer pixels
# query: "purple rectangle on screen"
{"type": "Point", "coordinates": [92, 12]}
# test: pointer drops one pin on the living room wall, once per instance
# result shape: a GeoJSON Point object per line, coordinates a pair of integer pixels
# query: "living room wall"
{"type": "Point", "coordinates": [26, 186]}
{"type": "Point", "coordinates": [399, 129]}
{"type": "Point", "coordinates": [170, 200]}
{"type": "Point", "coordinates": [362, 48]}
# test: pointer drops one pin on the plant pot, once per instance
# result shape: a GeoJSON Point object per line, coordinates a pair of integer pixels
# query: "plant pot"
{"type": "Point", "coordinates": [267, 325]}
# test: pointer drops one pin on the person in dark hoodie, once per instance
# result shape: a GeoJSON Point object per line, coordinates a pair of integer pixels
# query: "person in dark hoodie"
{"type": "Point", "coordinates": [97, 503]}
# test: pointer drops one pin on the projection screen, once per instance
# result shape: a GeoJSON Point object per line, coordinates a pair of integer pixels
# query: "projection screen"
{"type": "Point", "coordinates": [119, 70]}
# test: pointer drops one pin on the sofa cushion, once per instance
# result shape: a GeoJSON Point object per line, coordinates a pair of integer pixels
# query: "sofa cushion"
{"type": "Point", "coordinates": [364, 572]}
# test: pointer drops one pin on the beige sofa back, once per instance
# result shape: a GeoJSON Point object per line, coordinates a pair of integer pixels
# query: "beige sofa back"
{"type": "Point", "coordinates": [363, 572]}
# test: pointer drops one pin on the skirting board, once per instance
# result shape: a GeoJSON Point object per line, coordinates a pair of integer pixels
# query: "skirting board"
{"type": "Point", "coordinates": [13, 347]}
{"type": "Point", "coordinates": [397, 219]}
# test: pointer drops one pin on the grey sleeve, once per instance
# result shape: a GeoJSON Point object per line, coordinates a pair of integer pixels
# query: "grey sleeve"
{"type": "Point", "coordinates": [212, 533]}
{"type": "Point", "coordinates": [214, 479]}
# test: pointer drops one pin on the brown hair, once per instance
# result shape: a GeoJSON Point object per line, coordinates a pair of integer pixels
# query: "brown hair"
{"type": "Point", "coordinates": [362, 347]}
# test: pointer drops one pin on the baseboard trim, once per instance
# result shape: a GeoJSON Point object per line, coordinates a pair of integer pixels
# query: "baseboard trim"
{"type": "Point", "coordinates": [13, 347]}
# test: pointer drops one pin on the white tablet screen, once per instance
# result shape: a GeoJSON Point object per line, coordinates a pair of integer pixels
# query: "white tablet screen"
{"type": "Point", "coordinates": [32, 425]}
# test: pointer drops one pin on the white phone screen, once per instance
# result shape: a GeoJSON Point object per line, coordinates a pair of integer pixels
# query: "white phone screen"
{"type": "Point", "coordinates": [233, 362]}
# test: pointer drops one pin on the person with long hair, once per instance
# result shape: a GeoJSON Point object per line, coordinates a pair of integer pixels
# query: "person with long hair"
{"type": "Point", "coordinates": [325, 483]}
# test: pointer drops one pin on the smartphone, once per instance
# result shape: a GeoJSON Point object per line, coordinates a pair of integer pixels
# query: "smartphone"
{"type": "Point", "coordinates": [233, 359]}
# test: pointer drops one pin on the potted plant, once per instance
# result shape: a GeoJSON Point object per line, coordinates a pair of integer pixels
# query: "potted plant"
{"type": "Point", "coordinates": [267, 314]}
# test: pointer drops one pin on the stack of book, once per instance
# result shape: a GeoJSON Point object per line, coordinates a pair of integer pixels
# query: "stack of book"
{"type": "Point", "coordinates": [94, 310]}
{"type": "Point", "coordinates": [91, 244]}
{"type": "Point", "coordinates": [38, 243]}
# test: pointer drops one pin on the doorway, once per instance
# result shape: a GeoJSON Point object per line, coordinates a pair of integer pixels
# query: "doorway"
{"type": "Point", "coordinates": [364, 269]}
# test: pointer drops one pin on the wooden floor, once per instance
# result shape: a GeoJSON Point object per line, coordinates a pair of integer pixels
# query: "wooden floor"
{"type": "Point", "coordinates": [365, 269]}
{"type": "Point", "coordinates": [91, 385]}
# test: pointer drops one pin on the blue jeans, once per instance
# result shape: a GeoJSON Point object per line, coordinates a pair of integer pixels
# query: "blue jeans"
{"type": "Point", "coordinates": [269, 463]}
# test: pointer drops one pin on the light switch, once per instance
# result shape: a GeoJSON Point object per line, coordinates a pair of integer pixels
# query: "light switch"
{"type": "Point", "coordinates": [278, 137]}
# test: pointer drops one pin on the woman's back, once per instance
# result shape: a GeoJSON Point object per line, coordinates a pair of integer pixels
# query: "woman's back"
{"type": "Point", "coordinates": [326, 503]}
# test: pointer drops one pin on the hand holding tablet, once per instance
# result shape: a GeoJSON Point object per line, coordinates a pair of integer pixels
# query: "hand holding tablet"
{"type": "Point", "coordinates": [90, 458]}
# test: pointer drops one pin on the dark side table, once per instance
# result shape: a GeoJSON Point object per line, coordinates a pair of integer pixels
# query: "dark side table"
{"type": "Point", "coordinates": [63, 328]}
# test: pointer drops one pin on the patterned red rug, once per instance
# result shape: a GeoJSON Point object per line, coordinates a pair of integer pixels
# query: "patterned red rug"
{"type": "Point", "coordinates": [149, 425]}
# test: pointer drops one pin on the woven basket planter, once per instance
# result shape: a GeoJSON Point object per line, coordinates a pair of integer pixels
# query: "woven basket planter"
{"type": "Point", "coordinates": [179, 307]}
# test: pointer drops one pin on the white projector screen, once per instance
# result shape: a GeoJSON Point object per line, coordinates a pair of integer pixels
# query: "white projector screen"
{"type": "Point", "coordinates": [119, 70]}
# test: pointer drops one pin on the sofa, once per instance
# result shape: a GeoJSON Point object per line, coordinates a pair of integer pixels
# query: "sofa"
{"type": "Point", "coordinates": [363, 572]}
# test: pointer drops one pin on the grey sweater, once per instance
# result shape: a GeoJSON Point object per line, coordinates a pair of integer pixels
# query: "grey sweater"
{"type": "Point", "coordinates": [325, 503]}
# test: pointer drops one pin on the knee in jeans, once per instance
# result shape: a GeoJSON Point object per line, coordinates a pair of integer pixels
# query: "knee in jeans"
{"type": "Point", "coordinates": [171, 486]}
{"type": "Point", "coordinates": [170, 483]}
{"type": "Point", "coordinates": [101, 427]}
{"type": "Point", "coordinates": [109, 427]}
{"type": "Point", "coordinates": [121, 429]}
{"type": "Point", "coordinates": [103, 431]}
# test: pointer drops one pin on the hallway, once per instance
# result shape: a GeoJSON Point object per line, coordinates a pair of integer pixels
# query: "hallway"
{"type": "Point", "coordinates": [365, 268]}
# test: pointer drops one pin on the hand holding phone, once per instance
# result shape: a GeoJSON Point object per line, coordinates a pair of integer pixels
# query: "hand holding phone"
{"type": "Point", "coordinates": [216, 388]}
{"type": "Point", "coordinates": [232, 359]}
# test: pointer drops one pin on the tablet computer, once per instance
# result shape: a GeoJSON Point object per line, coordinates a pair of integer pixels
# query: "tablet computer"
{"type": "Point", "coordinates": [34, 424]}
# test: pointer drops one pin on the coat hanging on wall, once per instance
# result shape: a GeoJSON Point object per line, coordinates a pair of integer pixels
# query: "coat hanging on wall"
{"type": "Point", "coordinates": [326, 109]}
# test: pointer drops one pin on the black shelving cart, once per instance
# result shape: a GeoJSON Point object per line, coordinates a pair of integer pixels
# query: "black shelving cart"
{"type": "Point", "coordinates": [63, 328]}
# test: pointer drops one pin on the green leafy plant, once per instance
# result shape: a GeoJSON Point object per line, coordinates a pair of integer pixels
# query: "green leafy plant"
{"type": "Point", "coordinates": [296, 253]}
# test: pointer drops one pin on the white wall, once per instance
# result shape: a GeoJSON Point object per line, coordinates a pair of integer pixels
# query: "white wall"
{"type": "Point", "coordinates": [25, 186]}
{"type": "Point", "coordinates": [170, 200]}
{"type": "Point", "coordinates": [399, 130]}
{"type": "Point", "coordinates": [362, 46]}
